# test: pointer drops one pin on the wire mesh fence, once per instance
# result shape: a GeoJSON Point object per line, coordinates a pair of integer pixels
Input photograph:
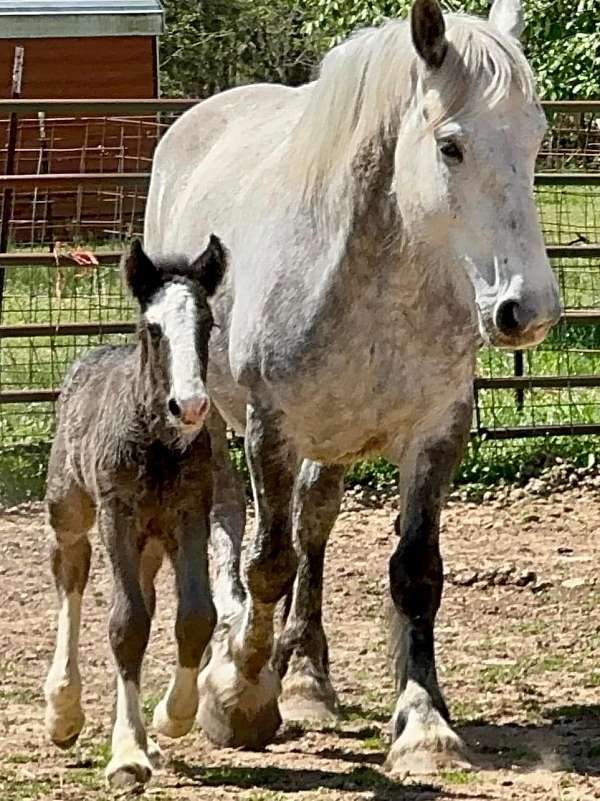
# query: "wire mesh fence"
{"type": "Point", "coordinates": [552, 389]}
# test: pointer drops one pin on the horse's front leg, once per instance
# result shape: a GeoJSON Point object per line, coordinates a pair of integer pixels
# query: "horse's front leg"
{"type": "Point", "coordinates": [238, 688]}
{"type": "Point", "coordinates": [129, 630]}
{"type": "Point", "coordinates": [302, 658]}
{"type": "Point", "coordinates": [196, 617]}
{"type": "Point", "coordinates": [423, 740]}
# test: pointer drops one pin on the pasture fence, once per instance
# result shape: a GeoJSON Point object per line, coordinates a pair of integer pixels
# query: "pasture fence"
{"type": "Point", "coordinates": [75, 180]}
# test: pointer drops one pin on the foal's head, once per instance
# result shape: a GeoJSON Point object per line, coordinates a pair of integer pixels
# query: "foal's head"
{"type": "Point", "coordinates": [175, 325]}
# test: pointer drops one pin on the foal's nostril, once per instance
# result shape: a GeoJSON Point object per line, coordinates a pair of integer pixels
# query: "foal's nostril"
{"type": "Point", "coordinates": [508, 319]}
{"type": "Point", "coordinates": [174, 408]}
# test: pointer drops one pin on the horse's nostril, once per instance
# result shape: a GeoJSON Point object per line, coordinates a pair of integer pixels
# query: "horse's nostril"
{"type": "Point", "coordinates": [507, 317]}
{"type": "Point", "coordinates": [174, 408]}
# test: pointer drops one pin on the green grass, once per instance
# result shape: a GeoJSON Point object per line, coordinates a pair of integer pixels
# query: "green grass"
{"type": "Point", "coordinates": [593, 680]}
{"type": "Point", "coordinates": [459, 777]}
{"type": "Point", "coordinates": [15, 788]}
{"type": "Point", "coordinates": [150, 703]}
{"type": "Point", "coordinates": [20, 696]}
{"type": "Point", "coordinates": [376, 743]}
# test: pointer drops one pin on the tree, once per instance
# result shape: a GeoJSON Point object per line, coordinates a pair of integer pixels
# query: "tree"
{"type": "Point", "coordinates": [214, 44]}
{"type": "Point", "coordinates": [561, 39]}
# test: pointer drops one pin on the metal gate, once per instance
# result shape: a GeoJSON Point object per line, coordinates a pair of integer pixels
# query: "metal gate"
{"type": "Point", "coordinates": [52, 307]}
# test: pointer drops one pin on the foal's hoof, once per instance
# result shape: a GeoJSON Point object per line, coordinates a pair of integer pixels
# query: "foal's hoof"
{"type": "Point", "coordinates": [64, 726]}
{"type": "Point", "coordinates": [132, 767]}
{"type": "Point", "coordinates": [169, 726]}
{"type": "Point", "coordinates": [426, 747]}
{"type": "Point", "coordinates": [234, 711]}
{"type": "Point", "coordinates": [306, 698]}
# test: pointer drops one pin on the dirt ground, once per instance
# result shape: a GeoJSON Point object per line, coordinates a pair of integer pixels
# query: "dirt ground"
{"type": "Point", "coordinates": [518, 647]}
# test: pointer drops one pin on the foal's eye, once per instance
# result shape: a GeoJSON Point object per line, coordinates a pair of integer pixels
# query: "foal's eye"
{"type": "Point", "coordinates": [451, 151]}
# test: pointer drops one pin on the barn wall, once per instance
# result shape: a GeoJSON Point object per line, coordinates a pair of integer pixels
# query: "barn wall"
{"type": "Point", "coordinates": [74, 68]}
{"type": "Point", "coordinates": [93, 67]}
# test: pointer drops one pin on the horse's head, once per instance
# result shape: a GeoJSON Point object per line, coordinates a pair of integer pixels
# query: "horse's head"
{"type": "Point", "coordinates": [473, 131]}
{"type": "Point", "coordinates": [175, 325]}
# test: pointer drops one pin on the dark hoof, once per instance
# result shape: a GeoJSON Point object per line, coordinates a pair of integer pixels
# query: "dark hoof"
{"type": "Point", "coordinates": [252, 728]}
{"type": "Point", "coordinates": [129, 769]}
{"type": "Point", "coordinates": [64, 745]}
{"type": "Point", "coordinates": [235, 712]}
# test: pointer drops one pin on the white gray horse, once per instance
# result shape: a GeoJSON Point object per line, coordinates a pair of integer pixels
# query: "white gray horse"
{"type": "Point", "coordinates": [381, 224]}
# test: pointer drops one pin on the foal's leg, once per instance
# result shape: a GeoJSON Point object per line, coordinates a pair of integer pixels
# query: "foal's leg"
{"type": "Point", "coordinates": [238, 689]}
{"type": "Point", "coordinates": [129, 630]}
{"type": "Point", "coordinates": [422, 738]}
{"type": "Point", "coordinates": [196, 618]}
{"type": "Point", "coordinates": [70, 515]}
{"type": "Point", "coordinates": [151, 560]}
{"type": "Point", "coordinates": [302, 655]}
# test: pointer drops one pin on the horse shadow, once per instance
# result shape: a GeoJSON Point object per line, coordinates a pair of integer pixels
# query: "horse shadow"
{"type": "Point", "coordinates": [297, 780]}
{"type": "Point", "coordinates": [569, 742]}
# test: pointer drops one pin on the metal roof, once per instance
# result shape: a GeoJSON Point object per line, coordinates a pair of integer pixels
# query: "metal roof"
{"type": "Point", "coordinates": [33, 19]}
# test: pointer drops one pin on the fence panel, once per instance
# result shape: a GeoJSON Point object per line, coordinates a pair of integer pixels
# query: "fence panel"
{"type": "Point", "coordinates": [80, 177]}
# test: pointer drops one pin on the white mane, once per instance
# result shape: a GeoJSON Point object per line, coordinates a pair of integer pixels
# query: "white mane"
{"type": "Point", "coordinates": [368, 82]}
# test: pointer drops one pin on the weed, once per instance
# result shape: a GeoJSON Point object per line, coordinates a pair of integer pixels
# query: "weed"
{"type": "Point", "coordinates": [457, 776]}
{"type": "Point", "coordinates": [376, 743]}
{"type": "Point", "coordinates": [150, 703]}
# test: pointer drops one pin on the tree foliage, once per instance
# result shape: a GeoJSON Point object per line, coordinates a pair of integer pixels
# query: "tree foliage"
{"type": "Point", "coordinates": [214, 44]}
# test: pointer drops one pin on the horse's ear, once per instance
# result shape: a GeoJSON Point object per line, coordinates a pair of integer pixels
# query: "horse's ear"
{"type": "Point", "coordinates": [210, 265]}
{"type": "Point", "coordinates": [507, 16]}
{"type": "Point", "coordinates": [140, 273]}
{"type": "Point", "coordinates": [429, 32]}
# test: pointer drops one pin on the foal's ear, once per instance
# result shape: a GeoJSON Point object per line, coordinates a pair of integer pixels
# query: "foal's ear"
{"type": "Point", "coordinates": [210, 266]}
{"type": "Point", "coordinates": [140, 272]}
{"type": "Point", "coordinates": [507, 16]}
{"type": "Point", "coordinates": [429, 32]}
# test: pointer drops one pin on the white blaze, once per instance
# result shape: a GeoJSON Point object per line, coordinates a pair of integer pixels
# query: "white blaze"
{"type": "Point", "coordinates": [174, 310]}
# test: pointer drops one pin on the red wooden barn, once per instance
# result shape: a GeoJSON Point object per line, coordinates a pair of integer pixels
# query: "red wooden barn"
{"type": "Point", "coordinates": [78, 49]}
{"type": "Point", "coordinates": [81, 48]}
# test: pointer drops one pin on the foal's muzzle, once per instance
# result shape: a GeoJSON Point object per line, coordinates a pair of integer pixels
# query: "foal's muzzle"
{"type": "Point", "coordinates": [190, 412]}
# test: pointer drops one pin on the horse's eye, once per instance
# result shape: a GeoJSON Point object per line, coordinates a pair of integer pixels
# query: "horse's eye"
{"type": "Point", "coordinates": [451, 151]}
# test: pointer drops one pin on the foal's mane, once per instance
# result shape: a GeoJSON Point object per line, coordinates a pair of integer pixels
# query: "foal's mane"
{"type": "Point", "coordinates": [367, 83]}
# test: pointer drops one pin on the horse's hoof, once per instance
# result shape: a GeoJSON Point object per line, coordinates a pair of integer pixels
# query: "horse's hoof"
{"type": "Point", "coordinates": [234, 711]}
{"type": "Point", "coordinates": [129, 768]}
{"type": "Point", "coordinates": [427, 747]}
{"type": "Point", "coordinates": [64, 745]}
{"type": "Point", "coordinates": [170, 727]}
{"type": "Point", "coordinates": [306, 698]}
{"type": "Point", "coordinates": [64, 727]}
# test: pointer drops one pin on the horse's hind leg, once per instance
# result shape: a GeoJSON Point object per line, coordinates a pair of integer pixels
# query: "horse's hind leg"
{"type": "Point", "coordinates": [423, 740]}
{"type": "Point", "coordinates": [302, 654]}
{"type": "Point", "coordinates": [129, 630]}
{"type": "Point", "coordinates": [196, 618]}
{"type": "Point", "coordinates": [70, 515]}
